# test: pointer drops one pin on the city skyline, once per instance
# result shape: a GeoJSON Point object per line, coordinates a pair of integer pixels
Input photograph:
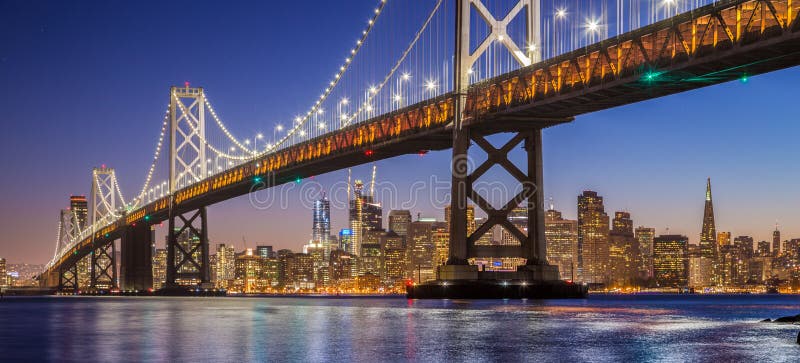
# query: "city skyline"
{"type": "Point", "coordinates": [635, 174]}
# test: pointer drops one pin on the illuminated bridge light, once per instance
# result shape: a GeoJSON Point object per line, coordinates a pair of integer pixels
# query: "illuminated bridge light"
{"type": "Point", "coordinates": [298, 180]}
{"type": "Point", "coordinates": [257, 179]}
{"type": "Point", "coordinates": [652, 76]}
{"type": "Point", "coordinates": [147, 218]}
{"type": "Point", "coordinates": [368, 152]}
{"type": "Point", "coordinates": [744, 78]}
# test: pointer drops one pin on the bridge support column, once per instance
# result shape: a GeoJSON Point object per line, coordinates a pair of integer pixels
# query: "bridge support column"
{"type": "Point", "coordinates": [136, 268]}
{"type": "Point", "coordinates": [187, 250]}
{"type": "Point", "coordinates": [531, 244]}
{"type": "Point", "coordinates": [104, 267]}
{"type": "Point", "coordinates": [68, 279]}
{"type": "Point", "coordinates": [535, 279]}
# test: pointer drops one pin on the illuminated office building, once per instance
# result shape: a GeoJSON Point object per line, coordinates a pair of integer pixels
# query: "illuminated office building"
{"type": "Point", "coordinates": [644, 237]}
{"type": "Point", "coordinates": [321, 225]}
{"type": "Point", "coordinates": [420, 249]}
{"type": "Point", "coordinates": [593, 231]}
{"type": "Point", "coordinates": [226, 265]}
{"type": "Point", "coordinates": [671, 260]}
{"type": "Point", "coordinates": [562, 243]}
{"type": "Point", "coordinates": [249, 274]}
{"type": "Point", "coordinates": [159, 268]}
{"type": "Point", "coordinates": [399, 221]}
{"type": "Point", "coordinates": [724, 238]}
{"type": "Point", "coordinates": [623, 251]}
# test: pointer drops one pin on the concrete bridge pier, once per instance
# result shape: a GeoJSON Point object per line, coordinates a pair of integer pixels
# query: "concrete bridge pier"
{"type": "Point", "coordinates": [136, 268]}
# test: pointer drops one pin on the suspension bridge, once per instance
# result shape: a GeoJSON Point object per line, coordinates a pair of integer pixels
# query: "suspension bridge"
{"type": "Point", "coordinates": [456, 72]}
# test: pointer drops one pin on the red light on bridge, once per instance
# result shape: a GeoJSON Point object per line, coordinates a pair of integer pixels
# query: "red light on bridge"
{"type": "Point", "coordinates": [103, 166]}
{"type": "Point", "coordinates": [186, 84]}
{"type": "Point", "coordinates": [368, 152]}
{"type": "Point", "coordinates": [422, 152]}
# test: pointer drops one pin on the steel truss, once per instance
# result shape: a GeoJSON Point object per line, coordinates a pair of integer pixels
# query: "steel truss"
{"type": "Point", "coordinates": [68, 279]}
{"type": "Point", "coordinates": [104, 267]}
{"type": "Point", "coordinates": [187, 249]}
{"type": "Point", "coordinates": [532, 246]}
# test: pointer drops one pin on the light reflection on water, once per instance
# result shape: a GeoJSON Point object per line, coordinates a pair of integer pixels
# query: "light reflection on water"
{"type": "Point", "coordinates": [603, 328]}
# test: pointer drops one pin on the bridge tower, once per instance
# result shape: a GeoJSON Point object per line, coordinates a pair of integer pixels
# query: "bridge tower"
{"type": "Point", "coordinates": [104, 196]}
{"type": "Point", "coordinates": [187, 238]}
{"type": "Point", "coordinates": [68, 231]}
{"type": "Point", "coordinates": [467, 131]}
{"type": "Point", "coordinates": [187, 130]}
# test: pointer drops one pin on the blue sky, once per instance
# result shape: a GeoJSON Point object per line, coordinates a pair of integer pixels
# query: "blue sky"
{"type": "Point", "coordinates": [86, 84]}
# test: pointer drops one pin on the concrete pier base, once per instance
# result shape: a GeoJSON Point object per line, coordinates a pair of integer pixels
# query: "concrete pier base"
{"type": "Point", "coordinates": [466, 282]}
{"type": "Point", "coordinates": [496, 289]}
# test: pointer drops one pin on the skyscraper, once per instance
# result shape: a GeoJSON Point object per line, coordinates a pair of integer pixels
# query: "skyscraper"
{"type": "Point", "coordinates": [321, 225]}
{"type": "Point", "coordinates": [159, 268]}
{"type": "Point", "coordinates": [623, 251]}
{"type": "Point", "coordinates": [365, 215]}
{"type": "Point", "coordinates": [744, 244]}
{"type": "Point", "coordinates": [776, 241]}
{"type": "Point", "coordinates": [399, 221]}
{"type": "Point", "coordinates": [226, 265]}
{"type": "Point", "coordinates": [420, 250]}
{"type": "Point", "coordinates": [644, 236]}
{"type": "Point", "coordinates": [562, 243]}
{"type": "Point", "coordinates": [592, 238]}
{"type": "Point", "coordinates": [763, 249]}
{"type": "Point", "coordinates": [356, 214]}
{"type": "Point", "coordinates": [249, 274]}
{"type": "Point", "coordinates": [264, 251]}
{"type": "Point", "coordinates": [671, 260]}
{"type": "Point", "coordinates": [346, 241]}
{"type": "Point", "coordinates": [78, 204]}
{"type": "Point", "coordinates": [708, 235]}
{"type": "Point", "coordinates": [723, 238]}
{"type": "Point", "coordinates": [3, 274]}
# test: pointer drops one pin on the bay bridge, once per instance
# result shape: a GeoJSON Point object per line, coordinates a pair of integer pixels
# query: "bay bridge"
{"type": "Point", "coordinates": [457, 72]}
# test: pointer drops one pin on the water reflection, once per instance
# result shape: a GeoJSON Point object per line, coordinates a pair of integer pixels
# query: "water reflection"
{"type": "Point", "coordinates": [604, 328]}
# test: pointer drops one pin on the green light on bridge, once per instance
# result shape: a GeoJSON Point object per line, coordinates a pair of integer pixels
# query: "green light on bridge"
{"type": "Point", "coordinates": [257, 179]}
{"type": "Point", "coordinates": [106, 235]}
{"type": "Point", "coordinates": [147, 218]}
{"type": "Point", "coordinates": [651, 76]}
{"type": "Point", "coordinates": [298, 180]}
{"type": "Point", "coordinates": [744, 78]}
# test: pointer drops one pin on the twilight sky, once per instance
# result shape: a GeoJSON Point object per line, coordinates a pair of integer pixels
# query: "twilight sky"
{"type": "Point", "coordinates": [85, 84]}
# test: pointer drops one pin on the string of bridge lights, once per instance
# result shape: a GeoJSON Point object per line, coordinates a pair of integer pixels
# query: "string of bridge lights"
{"type": "Point", "coordinates": [222, 126]}
{"type": "Point", "coordinates": [301, 120]}
{"type": "Point", "coordinates": [156, 155]}
{"type": "Point", "coordinates": [373, 91]}
{"type": "Point", "coordinates": [59, 246]}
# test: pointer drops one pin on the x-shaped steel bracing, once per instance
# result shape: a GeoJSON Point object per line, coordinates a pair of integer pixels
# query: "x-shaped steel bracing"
{"type": "Point", "coordinates": [499, 216]}
{"type": "Point", "coordinates": [104, 267]}
{"type": "Point", "coordinates": [183, 262]}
